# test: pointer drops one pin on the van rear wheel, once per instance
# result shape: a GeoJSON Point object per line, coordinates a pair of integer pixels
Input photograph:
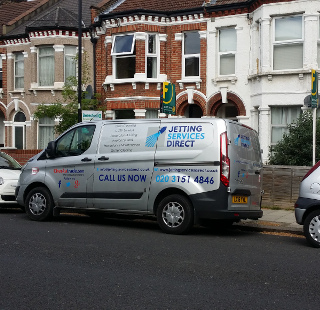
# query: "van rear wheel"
{"type": "Point", "coordinates": [39, 204]}
{"type": "Point", "coordinates": [175, 214]}
{"type": "Point", "coordinates": [311, 228]}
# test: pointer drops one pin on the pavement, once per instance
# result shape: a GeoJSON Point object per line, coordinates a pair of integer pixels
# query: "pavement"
{"type": "Point", "coordinates": [274, 221]}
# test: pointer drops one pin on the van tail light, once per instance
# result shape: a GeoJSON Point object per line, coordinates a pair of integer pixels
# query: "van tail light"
{"type": "Point", "coordinates": [311, 170]}
{"type": "Point", "coordinates": [224, 160]}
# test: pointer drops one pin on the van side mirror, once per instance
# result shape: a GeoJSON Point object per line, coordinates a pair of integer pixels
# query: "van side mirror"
{"type": "Point", "coordinates": [51, 149]}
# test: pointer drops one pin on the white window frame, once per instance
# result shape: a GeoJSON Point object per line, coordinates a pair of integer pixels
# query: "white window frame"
{"type": "Point", "coordinates": [153, 55]}
{"type": "Point", "coordinates": [118, 55]}
{"type": "Point", "coordinates": [53, 55]}
{"type": "Point", "coordinates": [14, 70]}
{"type": "Point", "coordinates": [186, 56]}
{"type": "Point", "coordinates": [70, 55]}
{"type": "Point", "coordinates": [230, 52]}
{"type": "Point", "coordinates": [287, 42]}
{"type": "Point", "coordinates": [19, 125]}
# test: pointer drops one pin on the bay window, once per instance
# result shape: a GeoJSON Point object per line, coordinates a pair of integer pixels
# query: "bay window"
{"type": "Point", "coordinates": [46, 66]}
{"type": "Point", "coordinates": [124, 56]}
{"type": "Point", "coordinates": [46, 132]}
{"type": "Point", "coordinates": [288, 43]}
{"type": "Point", "coordinates": [70, 67]}
{"type": "Point", "coordinates": [281, 117]}
{"type": "Point", "coordinates": [18, 70]}
{"type": "Point", "coordinates": [227, 51]}
{"type": "Point", "coordinates": [191, 54]}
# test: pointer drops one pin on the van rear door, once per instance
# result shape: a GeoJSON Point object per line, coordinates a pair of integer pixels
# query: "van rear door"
{"type": "Point", "coordinates": [245, 167]}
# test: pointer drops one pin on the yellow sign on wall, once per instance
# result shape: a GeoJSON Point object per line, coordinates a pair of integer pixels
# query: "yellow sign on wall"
{"type": "Point", "coordinates": [168, 98]}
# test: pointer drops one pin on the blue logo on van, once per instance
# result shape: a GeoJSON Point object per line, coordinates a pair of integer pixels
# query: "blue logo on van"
{"type": "Point", "coordinates": [243, 141]}
{"type": "Point", "coordinates": [151, 140]}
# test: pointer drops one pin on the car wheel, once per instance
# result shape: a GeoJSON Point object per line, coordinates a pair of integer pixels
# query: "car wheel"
{"type": "Point", "coordinates": [175, 214]}
{"type": "Point", "coordinates": [311, 228]}
{"type": "Point", "coordinates": [39, 204]}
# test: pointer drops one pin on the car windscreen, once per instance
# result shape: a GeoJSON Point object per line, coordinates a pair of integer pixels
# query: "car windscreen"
{"type": "Point", "coordinates": [7, 162]}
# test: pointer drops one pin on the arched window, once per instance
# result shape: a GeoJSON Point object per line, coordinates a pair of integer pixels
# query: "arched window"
{"type": "Point", "coordinates": [19, 130]}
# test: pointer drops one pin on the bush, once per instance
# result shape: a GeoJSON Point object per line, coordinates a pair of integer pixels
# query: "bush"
{"type": "Point", "coordinates": [295, 148]}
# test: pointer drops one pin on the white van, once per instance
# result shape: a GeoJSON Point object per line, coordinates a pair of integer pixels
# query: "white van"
{"type": "Point", "coordinates": [180, 170]}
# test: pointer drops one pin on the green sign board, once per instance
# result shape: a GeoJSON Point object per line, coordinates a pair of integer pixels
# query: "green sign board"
{"type": "Point", "coordinates": [88, 115]}
{"type": "Point", "coordinates": [168, 98]}
{"type": "Point", "coordinates": [314, 89]}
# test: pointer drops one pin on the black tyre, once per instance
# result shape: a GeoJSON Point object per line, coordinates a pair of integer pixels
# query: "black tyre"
{"type": "Point", "coordinates": [311, 228]}
{"type": "Point", "coordinates": [39, 204]}
{"type": "Point", "coordinates": [175, 214]}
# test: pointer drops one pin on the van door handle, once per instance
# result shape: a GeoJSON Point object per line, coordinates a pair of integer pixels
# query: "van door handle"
{"type": "Point", "coordinates": [86, 159]}
{"type": "Point", "coordinates": [103, 158]}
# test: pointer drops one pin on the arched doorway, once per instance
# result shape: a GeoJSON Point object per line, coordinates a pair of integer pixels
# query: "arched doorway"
{"type": "Point", "coordinates": [193, 111]}
{"type": "Point", "coordinates": [19, 130]}
{"type": "Point", "coordinates": [228, 111]}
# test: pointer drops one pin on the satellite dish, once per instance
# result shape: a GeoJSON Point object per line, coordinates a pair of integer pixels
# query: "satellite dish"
{"type": "Point", "coordinates": [89, 92]}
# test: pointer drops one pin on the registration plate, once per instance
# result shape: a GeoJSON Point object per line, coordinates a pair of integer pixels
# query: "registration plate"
{"type": "Point", "coordinates": [239, 199]}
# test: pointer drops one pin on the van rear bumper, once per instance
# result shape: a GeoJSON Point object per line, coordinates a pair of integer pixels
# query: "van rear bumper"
{"type": "Point", "coordinates": [214, 205]}
{"type": "Point", "coordinates": [229, 215]}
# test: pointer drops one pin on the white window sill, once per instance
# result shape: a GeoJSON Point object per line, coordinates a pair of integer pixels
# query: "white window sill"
{"type": "Point", "coordinates": [299, 72]}
{"type": "Point", "coordinates": [139, 78]}
{"type": "Point", "coordinates": [225, 78]}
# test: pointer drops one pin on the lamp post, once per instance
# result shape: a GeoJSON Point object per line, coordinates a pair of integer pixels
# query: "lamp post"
{"type": "Point", "coordinates": [79, 59]}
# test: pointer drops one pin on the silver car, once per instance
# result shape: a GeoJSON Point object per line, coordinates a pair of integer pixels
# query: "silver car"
{"type": "Point", "coordinates": [307, 207]}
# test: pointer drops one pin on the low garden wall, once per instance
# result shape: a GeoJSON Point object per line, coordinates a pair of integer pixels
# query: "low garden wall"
{"type": "Point", "coordinates": [281, 185]}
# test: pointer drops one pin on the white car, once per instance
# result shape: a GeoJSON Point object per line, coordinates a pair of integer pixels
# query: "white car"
{"type": "Point", "coordinates": [10, 171]}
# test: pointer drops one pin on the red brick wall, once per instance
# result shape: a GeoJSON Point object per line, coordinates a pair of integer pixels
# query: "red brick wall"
{"type": "Point", "coordinates": [21, 156]}
{"type": "Point", "coordinates": [170, 64]}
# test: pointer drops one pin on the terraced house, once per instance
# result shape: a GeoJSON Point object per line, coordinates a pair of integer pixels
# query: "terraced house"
{"type": "Point", "coordinates": [247, 60]}
{"type": "Point", "coordinates": [39, 44]}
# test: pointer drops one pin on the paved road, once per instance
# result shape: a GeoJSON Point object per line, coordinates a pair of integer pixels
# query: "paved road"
{"type": "Point", "coordinates": [77, 263]}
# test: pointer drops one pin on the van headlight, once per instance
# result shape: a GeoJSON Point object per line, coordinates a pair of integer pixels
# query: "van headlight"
{"type": "Point", "coordinates": [1, 180]}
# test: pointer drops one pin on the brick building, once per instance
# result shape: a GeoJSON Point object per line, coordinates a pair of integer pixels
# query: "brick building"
{"type": "Point", "coordinates": [249, 61]}
{"type": "Point", "coordinates": [38, 46]}
{"type": "Point", "coordinates": [245, 60]}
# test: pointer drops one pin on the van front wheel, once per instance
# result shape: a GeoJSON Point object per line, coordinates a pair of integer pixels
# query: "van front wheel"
{"type": "Point", "coordinates": [175, 214]}
{"type": "Point", "coordinates": [39, 204]}
{"type": "Point", "coordinates": [311, 228]}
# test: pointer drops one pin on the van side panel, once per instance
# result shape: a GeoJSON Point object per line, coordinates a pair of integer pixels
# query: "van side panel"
{"type": "Point", "coordinates": [187, 158]}
{"type": "Point", "coordinates": [124, 164]}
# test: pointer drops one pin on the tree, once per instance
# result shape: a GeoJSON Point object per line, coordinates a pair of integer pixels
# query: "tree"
{"type": "Point", "coordinates": [295, 147]}
{"type": "Point", "coordinates": [67, 112]}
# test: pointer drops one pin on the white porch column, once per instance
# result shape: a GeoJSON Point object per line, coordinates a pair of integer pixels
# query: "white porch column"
{"type": "Point", "coordinates": [266, 45]}
{"type": "Point", "coordinates": [264, 131]}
